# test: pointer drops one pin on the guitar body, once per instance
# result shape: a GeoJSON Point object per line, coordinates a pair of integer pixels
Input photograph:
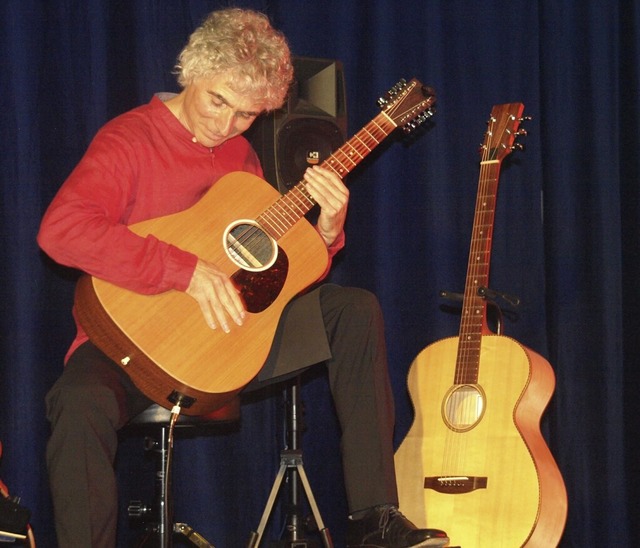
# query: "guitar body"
{"type": "Point", "coordinates": [514, 494]}
{"type": "Point", "coordinates": [162, 340]}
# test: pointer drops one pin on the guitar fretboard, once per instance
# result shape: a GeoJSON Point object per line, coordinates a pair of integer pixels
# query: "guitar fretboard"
{"type": "Point", "coordinates": [473, 308]}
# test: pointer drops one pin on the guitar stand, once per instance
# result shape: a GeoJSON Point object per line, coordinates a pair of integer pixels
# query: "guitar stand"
{"type": "Point", "coordinates": [291, 463]}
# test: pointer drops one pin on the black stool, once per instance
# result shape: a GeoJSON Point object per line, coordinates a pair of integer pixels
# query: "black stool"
{"type": "Point", "coordinates": [158, 517]}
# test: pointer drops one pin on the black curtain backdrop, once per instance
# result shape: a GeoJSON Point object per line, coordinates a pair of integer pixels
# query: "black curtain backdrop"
{"type": "Point", "coordinates": [566, 237]}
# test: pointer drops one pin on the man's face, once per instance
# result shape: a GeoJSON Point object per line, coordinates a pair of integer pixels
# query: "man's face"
{"type": "Point", "coordinates": [214, 112]}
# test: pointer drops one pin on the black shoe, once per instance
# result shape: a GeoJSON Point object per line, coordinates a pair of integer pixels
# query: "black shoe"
{"type": "Point", "coordinates": [386, 527]}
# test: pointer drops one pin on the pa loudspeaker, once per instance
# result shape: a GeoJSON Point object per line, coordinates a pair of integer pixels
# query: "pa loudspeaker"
{"type": "Point", "coordinates": [308, 128]}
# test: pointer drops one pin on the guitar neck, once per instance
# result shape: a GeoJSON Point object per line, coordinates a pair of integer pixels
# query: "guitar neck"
{"type": "Point", "coordinates": [296, 203]}
{"type": "Point", "coordinates": [473, 307]}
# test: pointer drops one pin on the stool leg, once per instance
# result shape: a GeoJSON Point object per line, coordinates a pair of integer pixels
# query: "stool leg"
{"type": "Point", "coordinates": [164, 529]}
{"type": "Point", "coordinates": [160, 526]}
{"type": "Point", "coordinates": [165, 525]}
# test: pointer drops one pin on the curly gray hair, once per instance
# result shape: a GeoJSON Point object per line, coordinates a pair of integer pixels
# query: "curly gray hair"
{"type": "Point", "coordinates": [244, 43]}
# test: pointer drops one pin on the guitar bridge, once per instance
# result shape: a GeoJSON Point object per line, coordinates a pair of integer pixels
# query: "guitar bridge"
{"type": "Point", "coordinates": [455, 485]}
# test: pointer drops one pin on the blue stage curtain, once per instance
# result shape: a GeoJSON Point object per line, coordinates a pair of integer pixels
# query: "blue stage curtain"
{"type": "Point", "coordinates": [565, 242]}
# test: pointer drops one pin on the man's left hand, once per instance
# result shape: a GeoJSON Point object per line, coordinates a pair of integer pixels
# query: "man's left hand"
{"type": "Point", "coordinates": [331, 194]}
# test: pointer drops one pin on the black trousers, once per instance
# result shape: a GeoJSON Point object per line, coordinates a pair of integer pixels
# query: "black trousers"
{"type": "Point", "coordinates": [94, 398]}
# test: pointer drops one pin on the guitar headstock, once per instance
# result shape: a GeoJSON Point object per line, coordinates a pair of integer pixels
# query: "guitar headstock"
{"type": "Point", "coordinates": [408, 104]}
{"type": "Point", "coordinates": [502, 130]}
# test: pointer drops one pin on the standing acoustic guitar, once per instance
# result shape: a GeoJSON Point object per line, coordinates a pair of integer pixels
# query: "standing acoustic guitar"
{"type": "Point", "coordinates": [474, 462]}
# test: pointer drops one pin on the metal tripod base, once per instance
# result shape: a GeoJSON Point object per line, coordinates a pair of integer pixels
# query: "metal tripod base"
{"type": "Point", "coordinates": [290, 459]}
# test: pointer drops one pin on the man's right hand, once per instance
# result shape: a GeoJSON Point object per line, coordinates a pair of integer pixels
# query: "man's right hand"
{"type": "Point", "coordinates": [218, 298]}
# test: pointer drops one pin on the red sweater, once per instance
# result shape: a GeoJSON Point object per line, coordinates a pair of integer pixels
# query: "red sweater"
{"type": "Point", "coordinates": [141, 165]}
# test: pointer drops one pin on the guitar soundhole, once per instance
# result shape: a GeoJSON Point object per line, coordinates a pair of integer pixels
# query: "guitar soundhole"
{"type": "Point", "coordinates": [463, 407]}
{"type": "Point", "coordinates": [249, 247]}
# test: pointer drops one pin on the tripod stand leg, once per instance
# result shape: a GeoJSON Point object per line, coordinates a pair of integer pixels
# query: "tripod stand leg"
{"type": "Point", "coordinates": [254, 539]}
{"type": "Point", "coordinates": [326, 537]}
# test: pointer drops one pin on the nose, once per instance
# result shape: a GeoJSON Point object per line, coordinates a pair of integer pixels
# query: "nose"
{"type": "Point", "coordinates": [225, 122]}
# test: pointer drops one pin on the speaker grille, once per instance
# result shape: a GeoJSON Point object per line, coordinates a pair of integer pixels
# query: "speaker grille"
{"type": "Point", "coordinates": [305, 142]}
{"type": "Point", "coordinates": [311, 125]}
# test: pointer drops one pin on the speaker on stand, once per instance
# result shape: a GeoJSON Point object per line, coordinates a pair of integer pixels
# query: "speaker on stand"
{"type": "Point", "coordinates": [308, 128]}
{"type": "Point", "coordinates": [304, 132]}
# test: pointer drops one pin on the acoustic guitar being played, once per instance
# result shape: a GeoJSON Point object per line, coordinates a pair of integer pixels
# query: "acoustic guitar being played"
{"type": "Point", "coordinates": [262, 241]}
{"type": "Point", "coordinates": [474, 461]}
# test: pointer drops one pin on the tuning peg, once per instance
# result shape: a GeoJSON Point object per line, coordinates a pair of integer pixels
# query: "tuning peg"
{"type": "Point", "coordinates": [382, 101]}
{"type": "Point", "coordinates": [418, 121]}
{"type": "Point", "coordinates": [402, 83]}
{"type": "Point", "coordinates": [525, 119]}
{"type": "Point", "coordinates": [518, 132]}
{"type": "Point", "coordinates": [517, 146]}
